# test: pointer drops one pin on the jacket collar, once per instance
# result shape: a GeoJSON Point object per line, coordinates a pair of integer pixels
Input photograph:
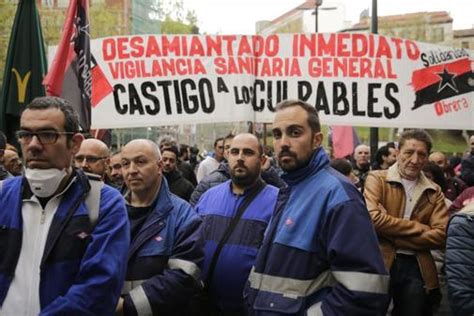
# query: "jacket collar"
{"type": "Point", "coordinates": [319, 160]}
{"type": "Point", "coordinates": [163, 204]}
{"type": "Point", "coordinates": [423, 183]}
{"type": "Point", "coordinates": [172, 176]}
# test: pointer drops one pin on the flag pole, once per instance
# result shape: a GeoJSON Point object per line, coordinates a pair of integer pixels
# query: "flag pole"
{"type": "Point", "coordinates": [374, 131]}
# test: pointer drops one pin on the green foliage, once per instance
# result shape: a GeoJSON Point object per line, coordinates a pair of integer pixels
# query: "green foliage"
{"type": "Point", "coordinates": [176, 19]}
{"type": "Point", "coordinates": [170, 26]}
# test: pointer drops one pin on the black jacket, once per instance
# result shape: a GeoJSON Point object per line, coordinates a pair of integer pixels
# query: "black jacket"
{"type": "Point", "coordinates": [467, 170]}
{"type": "Point", "coordinates": [187, 171]}
{"type": "Point", "coordinates": [179, 185]}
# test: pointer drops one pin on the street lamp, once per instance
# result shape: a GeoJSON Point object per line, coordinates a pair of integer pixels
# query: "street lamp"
{"type": "Point", "coordinates": [318, 3]}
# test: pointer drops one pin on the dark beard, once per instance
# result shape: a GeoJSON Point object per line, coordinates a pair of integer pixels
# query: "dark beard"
{"type": "Point", "coordinates": [299, 163]}
{"type": "Point", "coordinates": [244, 180]}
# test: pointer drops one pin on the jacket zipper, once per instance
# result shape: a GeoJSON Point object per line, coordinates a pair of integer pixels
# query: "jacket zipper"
{"type": "Point", "coordinates": [43, 216]}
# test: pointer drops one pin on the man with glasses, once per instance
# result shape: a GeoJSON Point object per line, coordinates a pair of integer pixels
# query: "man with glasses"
{"type": "Point", "coordinates": [93, 157]}
{"type": "Point", "coordinates": [63, 236]}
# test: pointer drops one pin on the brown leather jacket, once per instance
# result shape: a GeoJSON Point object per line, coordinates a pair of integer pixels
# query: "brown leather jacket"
{"type": "Point", "coordinates": [426, 230]}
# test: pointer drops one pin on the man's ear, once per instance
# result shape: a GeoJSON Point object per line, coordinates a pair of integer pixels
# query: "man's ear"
{"type": "Point", "coordinates": [160, 165]}
{"type": "Point", "coordinates": [76, 141]}
{"type": "Point", "coordinates": [317, 139]}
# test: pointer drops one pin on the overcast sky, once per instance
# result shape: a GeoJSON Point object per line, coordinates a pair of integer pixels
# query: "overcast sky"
{"type": "Point", "coordinates": [239, 16]}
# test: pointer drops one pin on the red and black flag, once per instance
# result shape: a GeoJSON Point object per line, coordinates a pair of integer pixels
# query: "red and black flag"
{"type": "Point", "coordinates": [442, 81]}
{"type": "Point", "coordinates": [71, 75]}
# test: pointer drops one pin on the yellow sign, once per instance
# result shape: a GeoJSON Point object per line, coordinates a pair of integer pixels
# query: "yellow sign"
{"type": "Point", "coordinates": [21, 84]}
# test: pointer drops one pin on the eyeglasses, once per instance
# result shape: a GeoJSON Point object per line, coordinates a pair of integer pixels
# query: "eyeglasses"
{"type": "Point", "coordinates": [44, 137]}
{"type": "Point", "coordinates": [89, 159]}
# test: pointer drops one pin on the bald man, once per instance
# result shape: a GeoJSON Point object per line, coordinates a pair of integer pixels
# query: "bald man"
{"type": "Point", "coordinates": [226, 278]}
{"type": "Point", "coordinates": [12, 162]}
{"type": "Point", "coordinates": [167, 247]}
{"type": "Point", "coordinates": [93, 157]}
{"type": "Point", "coordinates": [361, 163]}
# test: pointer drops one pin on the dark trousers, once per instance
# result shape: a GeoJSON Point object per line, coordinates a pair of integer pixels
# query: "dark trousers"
{"type": "Point", "coordinates": [407, 288]}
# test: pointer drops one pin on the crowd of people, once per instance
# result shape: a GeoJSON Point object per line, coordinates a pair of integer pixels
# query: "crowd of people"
{"type": "Point", "coordinates": [150, 230]}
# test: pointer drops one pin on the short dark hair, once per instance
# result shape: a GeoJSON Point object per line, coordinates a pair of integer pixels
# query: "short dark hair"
{"type": "Point", "coordinates": [183, 149]}
{"type": "Point", "coordinates": [3, 141]}
{"type": "Point", "coordinates": [342, 165]}
{"type": "Point", "coordinates": [313, 118]}
{"type": "Point", "coordinates": [167, 141]}
{"type": "Point", "coordinates": [228, 137]}
{"type": "Point", "coordinates": [418, 134]}
{"type": "Point", "coordinates": [71, 118]}
{"type": "Point", "coordinates": [218, 140]}
{"type": "Point", "coordinates": [172, 149]}
{"type": "Point", "coordinates": [438, 174]}
{"type": "Point", "coordinates": [383, 151]}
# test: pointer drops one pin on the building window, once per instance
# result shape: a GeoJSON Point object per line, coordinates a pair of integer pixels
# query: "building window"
{"type": "Point", "coordinates": [438, 34]}
{"type": "Point", "coordinates": [465, 45]}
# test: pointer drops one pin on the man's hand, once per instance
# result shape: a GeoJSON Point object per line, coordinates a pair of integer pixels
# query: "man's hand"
{"type": "Point", "coordinates": [119, 309]}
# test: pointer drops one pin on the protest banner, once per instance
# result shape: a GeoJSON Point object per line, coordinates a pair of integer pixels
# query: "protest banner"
{"type": "Point", "coordinates": [351, 79]}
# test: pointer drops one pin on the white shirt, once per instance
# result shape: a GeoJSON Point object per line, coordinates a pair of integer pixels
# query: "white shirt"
{"type": "Point", "coordinates": [206, 166]}
{"type": "Point", "coordinates": [23, 294]}
{"type": "Point", "coordinates": [409, 187]}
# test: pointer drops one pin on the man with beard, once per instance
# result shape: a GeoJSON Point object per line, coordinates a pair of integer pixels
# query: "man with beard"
{"type": "Point", "coordinates": [320, 255]}
{"type": "Point", "coordinates": [235, 214]}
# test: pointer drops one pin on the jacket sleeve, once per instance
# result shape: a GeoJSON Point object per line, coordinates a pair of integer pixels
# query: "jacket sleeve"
{"type": "Point", "coordinates": [434, 236]}
{"type": "Point", "coordinates": [168, 292]}
{"type": "Point", "coordinates": [356, 264]}
{"type": "Point", "coordinates": [467, 170]}
{"type": "Point", "coordinates": [102, 272]}
{"type": "Point", "coordinates": [202, 187]}
{"type": "Point", "coordinates": [459, 265]}
{"type": "Point", "coordinates": [386, 225]}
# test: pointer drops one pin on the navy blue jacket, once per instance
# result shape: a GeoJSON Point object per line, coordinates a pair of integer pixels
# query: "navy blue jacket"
{"type": "Point", "coordinates": [217, 207]}
{"type": "Point", "coordinates": [460, 261]}
{"type": "Point", "coordinates": [79, 275]}
{"type": "Point", "coordinates": [164, 258]}
{"type": "Point", "coordinates": [320, 254]}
